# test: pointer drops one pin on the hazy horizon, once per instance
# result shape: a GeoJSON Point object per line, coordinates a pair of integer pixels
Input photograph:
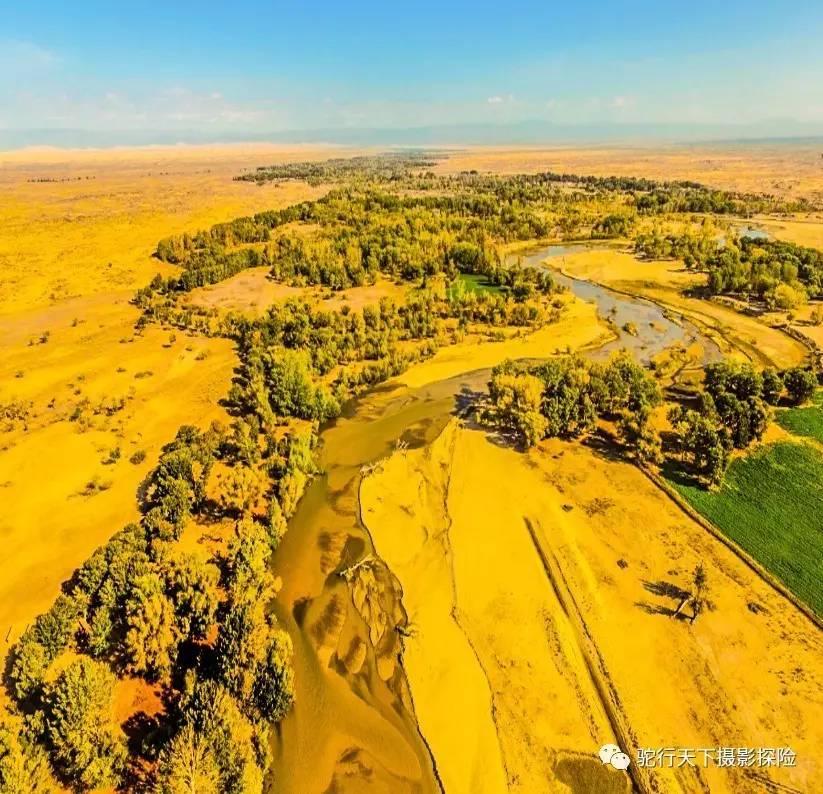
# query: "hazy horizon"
{"type": "Point", "coordinates": [522, 134]}
{"type": "Point", "coordinates": [94, 74]}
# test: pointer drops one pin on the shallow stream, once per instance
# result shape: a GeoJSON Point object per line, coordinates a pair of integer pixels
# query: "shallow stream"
{"type": "Point", "coordinates": [352, 726]}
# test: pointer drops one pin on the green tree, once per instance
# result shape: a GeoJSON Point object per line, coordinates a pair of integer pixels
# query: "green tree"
{"type": "Point", "coordinates": [242, 644]}
{"type": "Point", "coordinates": [24, 767]}
{"type": "Point", "coordinates": [28, 669]}
{"type": "Point", "coordinates": [704, 442]}
{"type": "Point", "coordinates": [187, 765]}
{"type": "Point", "coordinates": [772, 386]}
{"type": "Point", "coordinates": [516, 400]}
{"type": "Point", "coordinates": [86, 745]}
{"type": "Point", "coordinates": [237, 746]}
{"type": "Point", "coordinates": [274, 684]}
{"type": "Point", "coordinates": [290, 384]}
{"type": "Point", "coordinates": [277, 524]}
{"type": "Point", "coordinates": [700, 591]}
{"type": "Point", "coordinates": [193, 583]}
{"type": "Point", "coordinates": [151, 629]}
{"type": "Point", "coordinates": [800, 384]}
{"type": "Point", "coordinates": [242, 488]}
{"type": "Point", "coordinates": [566, 402]}
{"type": "Point", "coordinates": [100, 631]}
{"type": "Point", "coordinates": [636, 432]}
{"type": "Point", "coordinates": [697, 596]}
{"type": "Point", "coordinates": [248, 560]}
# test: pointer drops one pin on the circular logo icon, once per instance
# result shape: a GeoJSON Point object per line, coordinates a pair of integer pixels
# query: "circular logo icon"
{"type": "Point", "coordinates": [620, 761]}
{"type": "Point", "coordinates": [612, 754]}
{"type": "Point", "coordinates": [607, 751]}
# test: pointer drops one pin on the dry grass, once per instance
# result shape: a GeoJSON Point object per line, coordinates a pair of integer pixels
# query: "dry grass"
{"type": "Point", "coordinates": [252, 292]}
{"type": "Point", "coordinates": [65, 239]}
{"type": "Point", "coordinates": [802, 229]}
{"type": "Point", "coordinates": [794, 169]}
{"type": "Point", "coordinates": [88, 388]}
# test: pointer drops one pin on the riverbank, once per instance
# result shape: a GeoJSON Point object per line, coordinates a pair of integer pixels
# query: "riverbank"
{"type": "Point", "coordinates": [464, 523]}
{"type": "Point", "coordinates": [664, 282]}
{"type": "Point", "coordinates": [354, 717]}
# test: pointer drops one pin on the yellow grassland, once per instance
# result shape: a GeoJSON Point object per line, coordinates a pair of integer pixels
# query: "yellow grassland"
{"type": "Point", "coordinates": [56, 242]}
{"type": "Point", "coordinates": [790, 170]}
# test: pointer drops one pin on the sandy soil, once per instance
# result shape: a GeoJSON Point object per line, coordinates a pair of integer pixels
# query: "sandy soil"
{"type": "Point", "coordinates": [663, 282]}
{"type": "Point", "coordinates": [66, 337]}
{"type": "Point", "coordinates": [578, 328]}
{"type": "Point", "coordinates": [252, 292]}
{"type": "Point", "coordinates": [802, 229]}
{"type": "Point", "coordinates": [518, 569]}
{"type": "Point", "coordinates": [96, 231]}
{"type": "Point", "coordinates": [791, 169]}
{"type": "Point", "coordinates": [139, 392]}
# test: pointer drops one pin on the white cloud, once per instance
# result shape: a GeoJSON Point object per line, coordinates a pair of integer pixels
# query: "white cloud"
{"type": "Point", "coordinates": [498, 99]}
{"type": "Point", "coordinates": [170, 107]}
{"type": "Point", "coordinates": [25, 56]}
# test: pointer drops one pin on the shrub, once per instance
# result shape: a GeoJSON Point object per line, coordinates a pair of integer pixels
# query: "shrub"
{"type": "Point", "coordinates": [800, 385]}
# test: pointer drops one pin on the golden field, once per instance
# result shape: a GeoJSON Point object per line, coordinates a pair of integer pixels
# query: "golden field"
{"type": "Point", "coordinates": [72, 253]}
{"type": "Point", "coordinates": [790, 169]}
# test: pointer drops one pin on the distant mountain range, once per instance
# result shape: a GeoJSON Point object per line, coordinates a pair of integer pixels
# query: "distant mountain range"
{"type": "Point", "coordinates": [521, 133]}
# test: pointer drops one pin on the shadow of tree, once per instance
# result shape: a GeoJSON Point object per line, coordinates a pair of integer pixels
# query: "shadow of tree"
{"type": "Point", "coordinates": [663, 589]}
{"type": "Point", "coordinates": [465, 399]}
{"type": "Point", "coordinates": [605, 447]}
{"type": "Point", "coordinates": [674, 471]}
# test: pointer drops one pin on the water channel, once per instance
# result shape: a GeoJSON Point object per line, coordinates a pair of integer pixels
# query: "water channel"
{"type": "Point", "coordinates": [353, 725]}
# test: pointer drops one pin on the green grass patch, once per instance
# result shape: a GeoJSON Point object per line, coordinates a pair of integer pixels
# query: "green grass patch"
{"type": "Point", "coordinates": [771, 504]}
{"type": "Point", "coordinates": [806, 421]}
{"type": "Point", "coordinates": [474, 282]}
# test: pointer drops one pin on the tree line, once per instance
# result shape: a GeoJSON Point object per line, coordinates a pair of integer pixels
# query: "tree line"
{"type": "Point", "coordinates": [781, 274]}
{"type": "Point", "coordinates": [194, 623]}
{"type": "Point", "coordinates": [566, 395]}
{"type": "Point", "coordinates": [412, 170]}
{"type": "Point", "coordinates": [732, 411]}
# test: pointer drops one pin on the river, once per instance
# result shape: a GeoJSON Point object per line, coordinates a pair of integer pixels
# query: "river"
{"type": "Point", "coordinates": [353, 727]}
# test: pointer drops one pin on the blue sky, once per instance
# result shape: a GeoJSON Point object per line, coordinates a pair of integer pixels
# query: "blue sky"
{"type": "Point", "coordinates": [236, 68]}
